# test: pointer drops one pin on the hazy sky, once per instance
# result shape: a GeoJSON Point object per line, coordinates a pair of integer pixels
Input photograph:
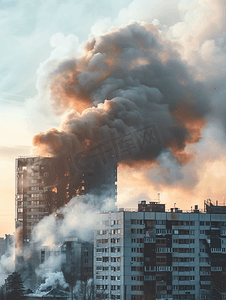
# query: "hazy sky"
{"type": "Point", "coordinates": [35, 32]}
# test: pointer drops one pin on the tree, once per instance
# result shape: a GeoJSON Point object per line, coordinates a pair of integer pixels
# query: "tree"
{"type": "Point", "coordinates": [69, 276]}
{"type": "Point", "coordinates": [2, 294]}
{"type": "Point", "coordinates": [14, 287]}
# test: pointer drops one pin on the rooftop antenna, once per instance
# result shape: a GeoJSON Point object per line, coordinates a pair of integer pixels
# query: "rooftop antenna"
{"type": "Point", "coordinates": [158, 197]}
{"type": "Point", "coordinates": [224, 200]}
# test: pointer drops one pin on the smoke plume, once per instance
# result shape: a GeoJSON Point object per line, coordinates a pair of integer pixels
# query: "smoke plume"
{"type": "Point", "coordinates": [124, 81]}
{"type": "Point", "coordinates": [54, 280]}
{"type": "Point", "coordinates": [7, 263]}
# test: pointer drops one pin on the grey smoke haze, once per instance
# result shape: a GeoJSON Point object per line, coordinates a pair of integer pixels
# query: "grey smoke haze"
{"type": "Point", "coordinates": [7, 264]}
{"type": "Point", "coordinates": [53, 280]}
{"type": "Point", "coordinates": [127, 79]}
{"type": "Point", "coordinates": [77, 218]}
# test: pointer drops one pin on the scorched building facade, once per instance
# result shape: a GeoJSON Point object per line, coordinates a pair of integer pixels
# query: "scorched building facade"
{"type": "Point", "coordinates": [45, 184]}
{"type": "Point", "coordinates": [153, 254]}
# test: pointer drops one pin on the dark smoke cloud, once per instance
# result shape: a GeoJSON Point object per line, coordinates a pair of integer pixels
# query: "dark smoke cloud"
{"type": "Point", "coordinates": [126, 80]}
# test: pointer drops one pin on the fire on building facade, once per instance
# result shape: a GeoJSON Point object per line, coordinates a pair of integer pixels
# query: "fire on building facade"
{"type": "Point", "coordinates": [45, 184]}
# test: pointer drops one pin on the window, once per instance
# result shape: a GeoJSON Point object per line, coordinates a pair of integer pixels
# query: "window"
{"type": "Point", "coordinates": [106, 259]}
{"type": "Point", "coordinates": [103, 232]}
{"type": "Point", "coordinates": [160, 222]}
{"type": "Point", "coordinates": [115, 231]}
{"type": "Point", "coordinates": [115, 259]}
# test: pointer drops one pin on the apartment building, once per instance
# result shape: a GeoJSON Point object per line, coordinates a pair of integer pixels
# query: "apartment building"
{"type": "Point", "coordinates": [44, 184]}
{"type": "Point", "coordinates": [151, 253]}
{"type": "Point", "coordinates": [73, 257]}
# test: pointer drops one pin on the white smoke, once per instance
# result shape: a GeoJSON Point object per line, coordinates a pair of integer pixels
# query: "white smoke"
{"type": "Point", "coordinates": [50, 265]}
{"type": "Point", "coordinates": [7, 263]}
{"type": "Point", "coordinates": [53, 280]}
{"type": "Point", "coordinates": [77, 218]}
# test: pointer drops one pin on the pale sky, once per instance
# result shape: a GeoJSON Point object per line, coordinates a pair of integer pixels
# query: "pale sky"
{"type": "Point", "coordinates": [34, 32]}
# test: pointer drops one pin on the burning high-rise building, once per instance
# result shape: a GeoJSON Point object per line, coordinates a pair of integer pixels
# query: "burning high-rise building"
{"type": "Point", "coordinates": [44, 184]}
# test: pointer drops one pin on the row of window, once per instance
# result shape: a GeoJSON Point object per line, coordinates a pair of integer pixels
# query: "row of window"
{"type": "Point", "coordinates": [205, 278]}
{"type": "Point", "coordinates": [175, 231]}
{"type": "Point", "coordinates": [183, 223]}
{"type": "Point", "coordinates": [137, 269]}
{"type": "Point", "coordinates": [163, 250]}
{"type": "Point", "coordinates": [112, 231]}
{"type": "Point", "coordinates": [38, 196]}
{"type": "Point", "coordinates": [184, 250]}
{"type": "Point", "coordinates": [105, 287]}
{"type": "Point", "coordinates": [102, 241]}
{"type": "Point", "coordinates": [138, 259]}
{"type": "Point", "coordinates": [138, 250]}
{"type": "Point", "coordinates": [137, 231]}
{"type": "Point", "coordinates": [115, 241]}
{"type": "Point", "coordinates": [204, 259]}
{"type": "Point", "coordinates": [163, 222]}
{"type": "Point", "coordinates": [184, 269]}
{"type": "Point", "coordinates": [105, 250]}
{"type": "Point", "coordinates": [184, 241]}
{"type": "Point", "coordinates": [137, 287]}
{"type": "Point", "coordinates": [138, 222]}
{"type": "Point", "coordinates": [102, 250]}
{"type": "Point", "coordinates": [112, 222]}
{"type": "Point", "coordinates": [114, 269]}
{"type": "Point", "coordinates": [182, 259]}
{"type": "Point", "coordinates": [138, 278]}
{"type": "Point", "coordinates": [183, 278]}
{"type": "Point", "coordinates": [184, 287]}
{"type": "Point", "coordinates": [170, 268]}
{"type": "Point", "coordinates": [158, 268]}
{"type": "Point", "coordinates": [35, 217]}
{"type": "Point", "coordinates": [106, 259]}
{"type": "Point", "coordinates": [37, 209]}
{"type": "Point", "coordinates": [138, 240]}
{"type": "Point", "coordinates": [113, 278]}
